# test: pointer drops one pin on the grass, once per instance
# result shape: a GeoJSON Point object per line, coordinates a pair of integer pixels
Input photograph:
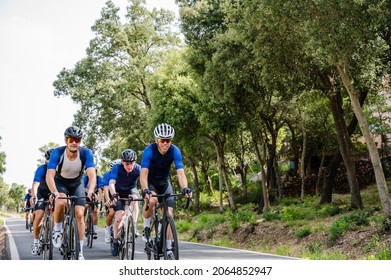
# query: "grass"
{"type": "Point", "coordinates": [298, 228]}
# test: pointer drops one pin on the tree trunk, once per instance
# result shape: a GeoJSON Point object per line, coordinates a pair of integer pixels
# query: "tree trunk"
{"type": "Point", "coordinates": [197, 191]}
{"type": "Point", "coordinates": [345, 148]}
{"type": "Point", "coordinates": [219, 145]}
{"type": "Point", "coordinates": [373, 153]}
{"type": "Point", "coordinates": [302, 163]}
{"type": "Point", "coordinates": [264, 203]}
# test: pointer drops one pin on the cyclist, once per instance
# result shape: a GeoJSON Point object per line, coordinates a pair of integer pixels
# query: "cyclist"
{"type": "Point", "coordinates": [123, 182]}
{"type": "Point", "coordinates": [155, 173]}
{"type": "Point", "coordinates": [64, 177]}
{"type": "Point", "coordinates": [98, 193]}
{"type": "Point", "coordinates": [108, 204]}
{"type": "Point", "coordinates": [27, 204]}
{"type": "Point", "coordinates": [42, 192]}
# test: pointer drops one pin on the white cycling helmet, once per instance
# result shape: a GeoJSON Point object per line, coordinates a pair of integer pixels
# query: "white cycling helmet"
{"type": "Point", "coordinates": [164, 131]}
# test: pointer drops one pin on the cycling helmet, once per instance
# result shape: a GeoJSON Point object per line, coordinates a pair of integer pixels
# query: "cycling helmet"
{"type": "Point", "coordinates": [29, 190]}
{"type": "Point", "coordinates": [164, 131]}
{"type": "Point", "coordinates": [73, 131]}
{"type": "Point", "coordinates": [47, 154]}
{"type": "Point", "coordinates": [129, 155]}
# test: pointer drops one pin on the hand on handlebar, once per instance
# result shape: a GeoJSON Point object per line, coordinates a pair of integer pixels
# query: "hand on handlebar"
{"type": "Point", "coordinates": [146, 194]}
{"type": "Point", "coordinates": [188, 193]}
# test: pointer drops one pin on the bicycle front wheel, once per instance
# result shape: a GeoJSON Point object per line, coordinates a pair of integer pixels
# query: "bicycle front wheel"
{"type": "Point", "coordinates": [31, 221]}
{"type": "Point", "coordinates": [89, 230]}
{"type": "Point", "coordinates": [74, 244]}
{"type": "Point", "coordinates": [129, 239]}
{"type": "Point", "coordinates": [47, 243]}
{"type": "Point", "coordinates": [170, 237]}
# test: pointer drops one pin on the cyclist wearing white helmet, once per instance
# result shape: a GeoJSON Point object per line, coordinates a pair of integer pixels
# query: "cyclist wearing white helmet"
{"type": "Point", "coordinates": [155, 172]}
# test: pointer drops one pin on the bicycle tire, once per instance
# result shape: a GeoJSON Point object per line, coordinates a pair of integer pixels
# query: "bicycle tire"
{"type": "Point", "coordinates": [31, 221]}
{"type": "Point", "coordinates": [90, 236]}
{"type": "Point", "coordinates": [129, 239]}
{"type": "Point", "coordinates": [74, 244]}
{"type": "Point", "coordinates": [167, 225]}
{"type": "Point", "coordinates": [65, 240]}
{"type": "Point", "coordinates": [47, 246]}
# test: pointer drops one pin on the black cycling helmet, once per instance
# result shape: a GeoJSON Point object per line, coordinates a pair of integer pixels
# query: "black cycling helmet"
{"type": "Point", "coordinates": [47, 154]}
{"type": "Point", "coordinates": [73, 131]}
{"type": "Point", "coordinates": [129, 155]}
{"type": "Point", "coordinates": [164, 131]}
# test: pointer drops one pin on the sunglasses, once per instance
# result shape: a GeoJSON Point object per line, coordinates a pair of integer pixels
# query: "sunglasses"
{"type": "Point", "coordinates": [165, 141]}
{"type": "Point", "coordinates": [73, 139]}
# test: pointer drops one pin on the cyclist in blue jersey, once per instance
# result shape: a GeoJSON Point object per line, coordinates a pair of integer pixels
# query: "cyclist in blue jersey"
{"type": "Point", "coordinates": [98, 192]}
{"type": "Point", "coordinates": [64, 177]}
{"type": "Point", "coordinates": [123, 183]}
{"type": "Point", "coordinates": [41, 191]}
{"type": "Point", "coordinates": [155, 173]}
{"type": "Point", "coordinates": [27, 204]}
{"type": "Point", "coordinates": [108, 203]}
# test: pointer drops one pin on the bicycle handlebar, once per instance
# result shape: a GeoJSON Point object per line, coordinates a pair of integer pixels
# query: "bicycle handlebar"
{"type": "Point", "coordinates": [165, 196]}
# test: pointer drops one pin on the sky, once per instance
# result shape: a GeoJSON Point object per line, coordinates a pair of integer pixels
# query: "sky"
{"type": "Point", "coordinates": [37, 40]}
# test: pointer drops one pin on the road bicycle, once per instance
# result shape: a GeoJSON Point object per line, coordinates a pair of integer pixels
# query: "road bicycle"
{"type": "Point", "coordinates": [90, 233]}
{"type": "Point", "coordinates": [46, 232]}
{"type": "Point", "coordinates": [29, 222]}
{"type": "Point", "coordinates": [70, 246]}
{"type": "Point", "coordinates": [126, 233]}
{"type": "Point", "coordinates": [161, 229]}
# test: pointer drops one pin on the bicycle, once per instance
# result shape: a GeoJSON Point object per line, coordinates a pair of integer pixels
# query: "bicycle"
{"type": "Point", "coordinates": [161, 228]}
{"type": "Point", "coordinates": [29, 222]}
{"type": "Point", "coordinates": [126, 233]}
{"type": "Point", "coordinates": [70, 246]}
{"type": "Point", "coordinates": [90, 234]}
{"type": "Point", "coordinates": [46, 233]}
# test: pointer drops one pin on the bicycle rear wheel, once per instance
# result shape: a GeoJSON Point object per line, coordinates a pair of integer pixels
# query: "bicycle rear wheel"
{"type": "Point", "coordinates": [169, 227]}
{"type": "Point", "coordinates": [74, 244]}
{"type": "Point", "coordinates": [47, 246]}
{"type": "Point", "coordinates": [129, 239]}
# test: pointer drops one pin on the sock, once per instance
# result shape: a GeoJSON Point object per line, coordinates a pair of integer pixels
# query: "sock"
{"type": "Point", "coordinates": [169, 244]}
{"type": "Point", "coordinates": [58, 226]}
{"type": "Point", "coordinates": [147, 222]}
{"type": "Point", "coordinates": [81, 246]}
{"type": "Point", "coordinates": [35, 241]}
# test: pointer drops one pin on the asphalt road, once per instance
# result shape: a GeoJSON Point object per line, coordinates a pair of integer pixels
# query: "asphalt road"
{"type": "Point", "coordinates": [20, 240]}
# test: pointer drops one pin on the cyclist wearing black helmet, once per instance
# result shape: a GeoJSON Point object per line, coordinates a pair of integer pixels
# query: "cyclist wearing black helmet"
{"type": "Point", "coordinates": [41, 192]}
{"type": "Point", "coordinates": [64, 177]}
{"type": "Point", "coordinates": [123, 182]}
{"type": "Point", "coordinates": [27, 205]}
{"type": "Point", "coordinates": [109, 210]}
{"type": "Point", "coordinates": [155, 172]}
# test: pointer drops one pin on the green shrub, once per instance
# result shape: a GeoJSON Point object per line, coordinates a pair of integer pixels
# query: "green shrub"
{"type": "Point", "coordinates": [271, 215]}
{"type": "Point", "coordinates": [329, 210]}
{"type": "Point", "coordinates": [303, 232]}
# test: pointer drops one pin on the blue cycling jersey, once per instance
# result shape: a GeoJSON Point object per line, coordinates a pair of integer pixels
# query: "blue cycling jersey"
{"type": "Point", "coordinates": [125, 181]}
{"type": "Point", "coordinates": [106, 178]}
{"type": "Point", "coordinates": [56, 159]}
{"type": "Point", "coordinates": [40, 177]}
{"type": "Point", "coordinates": [99, 182]}
{"type": "Point", "coordinates": [158, 164]}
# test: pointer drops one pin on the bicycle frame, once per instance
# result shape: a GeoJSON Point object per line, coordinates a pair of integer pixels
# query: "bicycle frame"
{"type": "Point", "coordinates": [46, 232]}
{"type": "Point", "coordinates": [126, 233]}
{"type": "Point", "coordinates": [70, 244]}
{"type": "Point", "coordinates": [160, 226]}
